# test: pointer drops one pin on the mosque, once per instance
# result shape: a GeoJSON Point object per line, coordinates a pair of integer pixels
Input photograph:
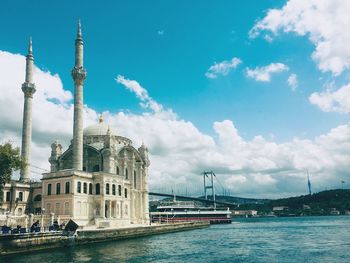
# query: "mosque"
{"type": "Point", "coordinates": [100, 180]}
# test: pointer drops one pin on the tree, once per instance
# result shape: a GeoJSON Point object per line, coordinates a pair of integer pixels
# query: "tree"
{"type": "Point", "coordinates": [10, 160]}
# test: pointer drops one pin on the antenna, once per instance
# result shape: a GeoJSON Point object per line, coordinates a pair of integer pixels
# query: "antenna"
{"type": "Point", "coordinates": [308, 182]}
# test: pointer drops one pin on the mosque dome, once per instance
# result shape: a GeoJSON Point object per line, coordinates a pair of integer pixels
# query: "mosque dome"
{"type": "Point", "coordinates": [100, 128]}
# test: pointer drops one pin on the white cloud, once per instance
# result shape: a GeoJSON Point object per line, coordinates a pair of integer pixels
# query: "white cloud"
{"type": "Point", "coordinates": [325, 22]}
{"type": "Point", "coordinates": [264, 73]}
{"type": "Point", "coordinates": [179, 152]}
{"type": "Point", "coordinates": [147, 102]}
{"type": "Point", "coordinates": [332, 101]}
{"type": "Point", "coordinates": [222, 68]}
{"type": "Point", "coordinates": [293, 81]}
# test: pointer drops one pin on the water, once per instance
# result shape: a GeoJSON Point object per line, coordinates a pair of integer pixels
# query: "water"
{"type": "Point", "coordinates": [303, 239]}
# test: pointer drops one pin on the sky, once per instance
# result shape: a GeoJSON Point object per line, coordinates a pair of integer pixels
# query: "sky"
{"type": "Point", "coordinates": [257, 91]}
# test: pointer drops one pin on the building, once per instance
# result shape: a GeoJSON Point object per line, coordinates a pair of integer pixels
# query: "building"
{"type": "Point", "coordinates": [100, 180]}
{"type": "Point", "coordinates": [244, 213]}
{"type": "Point", "coordinates": [280, 208]}
{"type": "Point", "coordinates": [111, 189]}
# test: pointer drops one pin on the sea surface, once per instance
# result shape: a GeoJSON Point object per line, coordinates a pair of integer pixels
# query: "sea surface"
{"type": "Point", "coordinates": [298, 239]}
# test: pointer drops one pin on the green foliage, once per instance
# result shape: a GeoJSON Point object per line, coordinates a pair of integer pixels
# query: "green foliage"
{"type": "Point", "coordinates": [10, 160]}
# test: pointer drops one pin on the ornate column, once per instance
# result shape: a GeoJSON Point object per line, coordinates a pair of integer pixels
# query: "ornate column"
{"type": "Point", "coordinates": [28, 88]}
{"type": "Point", "coordinates": [79, 75]}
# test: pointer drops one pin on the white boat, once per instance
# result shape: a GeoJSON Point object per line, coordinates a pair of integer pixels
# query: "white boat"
{"type": "Point", "coordinates": [187, 211]}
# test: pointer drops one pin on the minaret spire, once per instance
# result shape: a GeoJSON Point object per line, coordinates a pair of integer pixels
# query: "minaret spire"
{"type": "Point", "coordinates": [29, 63]}
{"type": "Point", "coordinates": [28, 88]}
{"type": "Point", "coordinates": [79, 75]}
{"type": "Point", "coordinates": [79, 35]}
{"type": "Point", "coordinates": [30, 46]}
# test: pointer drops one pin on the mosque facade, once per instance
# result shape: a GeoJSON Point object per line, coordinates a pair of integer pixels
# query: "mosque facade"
{"type": "Point", "coordinates": [100, 180]}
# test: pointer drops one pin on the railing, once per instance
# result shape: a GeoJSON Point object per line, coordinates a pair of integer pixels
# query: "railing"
{"type": "Point", "coordinates": [25, 222]}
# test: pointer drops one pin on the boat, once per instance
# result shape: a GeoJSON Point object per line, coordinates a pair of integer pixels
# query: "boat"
{"type": "Point", "coordinates": [189, 211]}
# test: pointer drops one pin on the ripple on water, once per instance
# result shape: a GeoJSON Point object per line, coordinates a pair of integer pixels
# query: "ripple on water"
{"type": "Point", "coordinates": [306, 239]}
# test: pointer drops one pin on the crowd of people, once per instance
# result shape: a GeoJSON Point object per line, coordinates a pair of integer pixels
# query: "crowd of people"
{"type": "Point", "coordinates": [35, 228]}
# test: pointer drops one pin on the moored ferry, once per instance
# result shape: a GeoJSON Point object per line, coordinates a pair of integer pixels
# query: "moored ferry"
{"type": "Point", "coordinates": [185, 211]}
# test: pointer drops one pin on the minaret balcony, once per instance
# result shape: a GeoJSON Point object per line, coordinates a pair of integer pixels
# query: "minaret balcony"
{"type": "Point", "coordinates": [79, 74]}
{"type": "Point", "coordinates": [28, 89]}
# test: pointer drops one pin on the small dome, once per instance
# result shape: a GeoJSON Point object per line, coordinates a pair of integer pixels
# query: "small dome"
{"type": "Point", "coordinates": [99, 129]}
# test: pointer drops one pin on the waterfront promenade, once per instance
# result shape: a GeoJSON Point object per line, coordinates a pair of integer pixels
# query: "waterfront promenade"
{"type": "Point", "coordinates": [29, 242]}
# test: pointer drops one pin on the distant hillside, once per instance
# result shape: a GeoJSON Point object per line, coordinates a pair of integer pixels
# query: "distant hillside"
{"type": "Point", "coordinates": [322, 203]}
{"type": "Point", "coordinates": [239, 200]}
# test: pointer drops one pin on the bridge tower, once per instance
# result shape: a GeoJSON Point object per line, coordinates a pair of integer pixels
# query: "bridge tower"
{"type": "Point", "coordinates": [208, 180]}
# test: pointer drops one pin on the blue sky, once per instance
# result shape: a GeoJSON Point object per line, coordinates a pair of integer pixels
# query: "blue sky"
{"type": "Point", "coordinates": [168, 46]}
{"type": "Point", "coordinates": [219, 72]}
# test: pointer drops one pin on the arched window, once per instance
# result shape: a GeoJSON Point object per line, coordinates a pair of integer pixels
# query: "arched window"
{"type": "Point", "coordinates": [107, 189]}
{"type": "Point", "coordinates": [126, 174]}
{"type": "Point", "coordinates": [58, 188]}
{"type": "Point", "coordinates": [113, 189]}
{"type": "Point", "coordinates": [37, 198]}
{"type": "Point", "coordinates": [119, 190]}
{"type": "Point", "coordinates": [126, 193]}
{"type": "Point", "coordinates": [90, 188]}
{"type": "Point", "coordinates": [85, 188]}
{"type": "Point", "coordinates": [48, 207]}
{"type": "Point", "coordinates": [67, 190]}
{"type": "Point", "coordinates": [97, 189]}
{"type": "Point", "coordinates": [57, 208]}
{"type": "Point", "coordinates": [66, 208]}
{"type": "Point", "coordinates": [8, 196]}
{"type": "Point", "coordinates": [49, 189]}
{"type": "Point", "coordinates": [79, 187]}
{"type": "Point", "coordinates": [117, 170]}
{"type": "Point", "coordinates": [19, 211]}
{"type": "Point", "coordinates": [126, 210]}
{"type": "Point", "coordinates": [135, 179]}
{"type": "Point", "coordinates": [20, 196]}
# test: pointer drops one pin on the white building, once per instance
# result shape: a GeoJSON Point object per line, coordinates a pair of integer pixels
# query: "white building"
{"type": "Point", "coordinates": [111, 189]}
{"type": "Point", "coordinates": [100, 180]}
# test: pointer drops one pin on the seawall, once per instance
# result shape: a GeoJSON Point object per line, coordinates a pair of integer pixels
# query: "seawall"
{"type": "Point", "coordinates": [25, 243]}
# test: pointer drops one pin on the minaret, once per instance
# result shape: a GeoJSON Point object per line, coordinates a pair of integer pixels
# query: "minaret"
{"type": "Point", "coordinates": [28, 88]}
{"type": "Point", "coordinates": [79, 75]}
